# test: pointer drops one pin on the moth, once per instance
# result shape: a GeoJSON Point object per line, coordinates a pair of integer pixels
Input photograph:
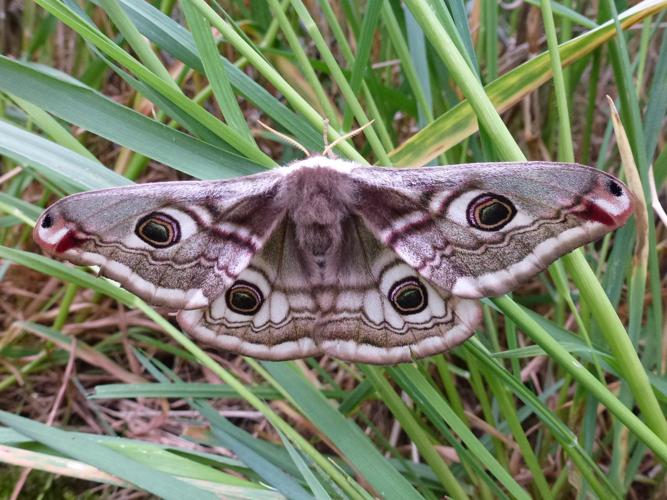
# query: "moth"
{"type": "Point", "coordinates": [366, 264]}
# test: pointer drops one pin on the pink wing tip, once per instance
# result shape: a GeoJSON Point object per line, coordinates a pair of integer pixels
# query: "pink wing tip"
{"type": "Point", "coordinates": [53, 235]}
{"type": "Point", "coordinates": [611, 203]}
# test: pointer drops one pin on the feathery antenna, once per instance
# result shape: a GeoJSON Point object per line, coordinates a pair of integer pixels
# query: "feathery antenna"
{"type": "Point", "coordinates": [287, 138]}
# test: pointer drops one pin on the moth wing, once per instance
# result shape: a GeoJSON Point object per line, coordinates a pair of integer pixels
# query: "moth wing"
{"type": "Point", "coordinates": [481, 229]}
{"type": "Point", "coordinates": [362, 319]}
{"type": "Point", "coordinates": [178, 244]}
{"type": "Point", "coordinates": [279, 325]}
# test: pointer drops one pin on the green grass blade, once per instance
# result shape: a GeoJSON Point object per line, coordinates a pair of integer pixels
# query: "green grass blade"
{"type": "Point", "coordinates": [346, 436]}
{"type": "Point", "coordinates": [459, 123]}
{"type": "Point", "coordinates": [338, 76]}
{"type": "Point", "coordinates": [52, 128]}
{"type": "Point", "coordinates": [416, 433]}
{"type": "Point", "coordinates": [82, 106]}
{"type": "Point", "coordinates": [173, 38]}
{"type": "Point", "coordinates": [304, 63]}
{"type": "Point", "coordinates": [215, 70]}
{"type": "Point", "coordinates": [435, 406]}
{"type": "Point", "coordinates": [86, 450]}
{"type": "Point", "coordinates": [420, 88]}
{"type": "Point", "coordinates": [297, 102]}
{"type": "Point", "coordinates": [224, 431]}
{"type": "Point", "coordinates": [314, 484]}
{"type": "Point", "coordinates": [138, 43]}
{"type": "Point", "coordinates": [75, 172]}
{"type": "Point", "coordinates": [112, 50]}
{"type": "Point", "coordinates": [361, 59]}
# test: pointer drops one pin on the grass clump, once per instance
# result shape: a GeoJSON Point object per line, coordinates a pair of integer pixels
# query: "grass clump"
{"type": "Point", "coordinates": [560, 394]}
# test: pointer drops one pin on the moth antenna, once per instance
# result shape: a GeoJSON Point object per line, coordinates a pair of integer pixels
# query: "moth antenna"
{"type": "Point", "coordinates": [287, 138]}
{"type": "Point", "coordinates": [328, 149]}
{"type": "Point", "coordinates": [325, 136]}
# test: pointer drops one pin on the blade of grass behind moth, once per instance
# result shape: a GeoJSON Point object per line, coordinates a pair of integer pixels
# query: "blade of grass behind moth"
{"type": "Point", "coordinates": [173, 38]}
{"type": "Point", "coordinates": [344, 434]}
{"type": "Point", "coordinates": [315, 485]}
{"type": "Point", "coordinates": [459, 17]}
{"type": "Point", "coordinates": [460, 32]}
{"type": "Point", "coordinates": [642, 55]}
{"type": "Point", "coordinates": [303, 61]}
{"type": "Point", "coordinates": [223, 435]}
{"type": "Point", "coordinates": [87, 451]}
{"type": "Point", "coordinates": [508, 410]}
{"type": "Point", "coordinates": [459, 122]}
{"type": "Point", "coordinates": [97, 38]}
{"type": "Point", "coordinates": [417, 62]}
{"type": "Point", "coordinates": [71, 171]}
{"type": "Point", "coordinates": [412, 428]}
{"type": "Point", "coordinates": [337, 74]}
{"type": "Point", "coordinates": [420, 87]}
{"type": "Point", "coordinates": [362, 56]}
{"type": "Point", "coordinates": [215, 70]}
{"type": "Point", "coordinates": [487, 410]}
{"type": "Point", "coordinates": [591, 108]}
{"type": "Point", "coordinates": [270, 73]}
{"type": "Point", "coordinates": [70, 100]}
{"type": "Point", "coordinates": [138, 43]}
{"type": "Point", "coordinates": [656, 106]}
{"type": "Point", "coordinates": [348, 56]}
{"type": "Point", "coordinates": [490, 34]}
{"type": "Point", "coordinates": [559, 430]}
{"type": "Point", "coordinates": [52, 128]}
{"type": "Point", "coordinates": [436, 408]}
